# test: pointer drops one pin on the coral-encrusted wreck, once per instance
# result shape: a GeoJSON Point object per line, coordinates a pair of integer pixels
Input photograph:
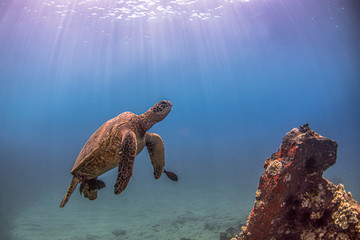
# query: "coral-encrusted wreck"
{"type": "Point", "coordinates": [294, 201]}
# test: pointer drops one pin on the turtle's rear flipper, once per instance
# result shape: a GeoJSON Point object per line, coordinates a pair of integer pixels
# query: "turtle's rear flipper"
{"type": "Point", "coordinates": [90, 188]}
{"type": "Point", "coordinates": [100, 184]}
{"type": "Point", "coordinates": [70, 190]}
{"type": "Point", "coordinates": [91, 184]}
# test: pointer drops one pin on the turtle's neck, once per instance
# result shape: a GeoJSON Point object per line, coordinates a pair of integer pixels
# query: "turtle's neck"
{"type": "Point", "coordinates": [146, 121]}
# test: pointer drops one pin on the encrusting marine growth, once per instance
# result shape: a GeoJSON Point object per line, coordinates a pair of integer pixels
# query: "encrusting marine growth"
{"type": "Point", "coordinates": [294, 201]}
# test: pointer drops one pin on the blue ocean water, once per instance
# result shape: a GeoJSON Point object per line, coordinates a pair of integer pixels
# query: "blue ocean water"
{"type": "Point", "coordinates": [240, 74]}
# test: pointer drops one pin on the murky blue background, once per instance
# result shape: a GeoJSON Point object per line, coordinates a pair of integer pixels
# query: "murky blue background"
{"type": "Point", "coordinates": [238, 81]}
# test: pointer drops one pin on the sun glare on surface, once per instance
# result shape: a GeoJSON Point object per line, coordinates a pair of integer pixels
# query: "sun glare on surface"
{"type": "Point", "coordinates": [115, 10]}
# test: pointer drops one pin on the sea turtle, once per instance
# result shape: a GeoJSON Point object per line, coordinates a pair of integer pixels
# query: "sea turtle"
{"type": "Point", "coordinates": [116, 143]}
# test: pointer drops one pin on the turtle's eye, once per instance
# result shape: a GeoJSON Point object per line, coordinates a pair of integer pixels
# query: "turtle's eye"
{"type": "Point", "coordinates": [163, 102]}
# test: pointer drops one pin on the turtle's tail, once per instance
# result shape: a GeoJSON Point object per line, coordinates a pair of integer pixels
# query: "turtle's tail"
{"type": "Point", "coordinates": [70, 190]}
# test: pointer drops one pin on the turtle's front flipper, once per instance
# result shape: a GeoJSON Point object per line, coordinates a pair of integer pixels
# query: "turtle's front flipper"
{"type": "Point", "coordinates": [156, 149]}
{"type": "Point", "coordinates": [70, 190]}
{"type": "Point", "coordinates": [127, 158]}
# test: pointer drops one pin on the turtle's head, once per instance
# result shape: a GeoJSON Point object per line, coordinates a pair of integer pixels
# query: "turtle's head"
{"type": "Point", "coordinates": [158, 112]}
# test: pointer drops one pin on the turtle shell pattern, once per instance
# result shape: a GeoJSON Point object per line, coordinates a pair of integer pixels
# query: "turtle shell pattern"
{"type": "Point", "coordinates": [101, 152]}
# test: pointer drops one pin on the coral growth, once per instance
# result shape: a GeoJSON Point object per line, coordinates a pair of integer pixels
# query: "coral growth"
{"type": "Point", "coordinates": [294, 201]}
{"type": "Point", "coordinates": [344, 213]}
